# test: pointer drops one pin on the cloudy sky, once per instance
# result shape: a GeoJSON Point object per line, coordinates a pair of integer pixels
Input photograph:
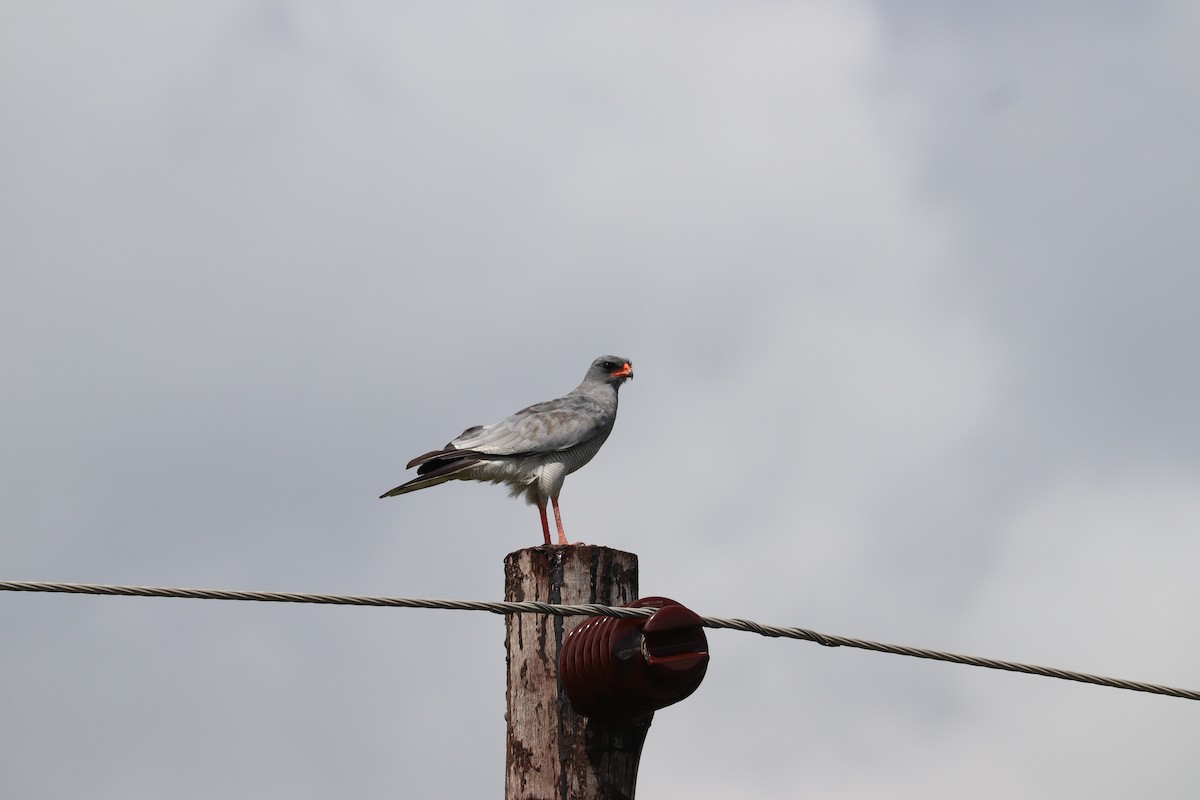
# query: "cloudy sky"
{"type": "Point", "coordinates": [911, 294]}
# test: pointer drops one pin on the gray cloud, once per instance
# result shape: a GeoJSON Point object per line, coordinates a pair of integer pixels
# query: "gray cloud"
{"type": "Point", "coordinates": [908, 294]}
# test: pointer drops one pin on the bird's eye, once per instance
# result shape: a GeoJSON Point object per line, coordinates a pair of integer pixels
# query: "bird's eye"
{"type": "Point", "coordinates": [610, 366]}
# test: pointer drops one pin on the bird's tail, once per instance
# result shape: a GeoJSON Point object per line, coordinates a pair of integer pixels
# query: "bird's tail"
{"type": "Point", "coordinates": [434, 471]}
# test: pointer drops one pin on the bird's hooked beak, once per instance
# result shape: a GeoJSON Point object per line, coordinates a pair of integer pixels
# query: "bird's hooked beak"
{"type": "Point", "coordinates": [626, 371]}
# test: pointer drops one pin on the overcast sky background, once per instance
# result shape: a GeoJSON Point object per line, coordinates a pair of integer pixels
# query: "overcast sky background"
{"type": "Point", "coordinates": [911, 294]}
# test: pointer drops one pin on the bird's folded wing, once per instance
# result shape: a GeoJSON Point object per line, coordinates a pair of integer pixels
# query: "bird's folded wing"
{"type": "Point", "coordinates": [543, 428]}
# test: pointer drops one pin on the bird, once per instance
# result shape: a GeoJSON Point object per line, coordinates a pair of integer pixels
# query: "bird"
{"type": "Point", "coordinates": [535, 449]}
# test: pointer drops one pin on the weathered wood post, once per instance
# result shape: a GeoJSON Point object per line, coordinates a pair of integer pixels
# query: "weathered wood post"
{"type": "Point", "coordinates": [554, 753]}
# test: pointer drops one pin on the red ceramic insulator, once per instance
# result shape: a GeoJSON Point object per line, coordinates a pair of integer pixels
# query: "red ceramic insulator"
{"type": "Point", "coordinates": [625, 669]}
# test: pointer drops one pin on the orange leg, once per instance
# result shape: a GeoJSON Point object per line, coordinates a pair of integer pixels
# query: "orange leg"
{"type": "Point", "coordinates": [562, 537]}
{"type": "Point", "coordinates": [545, 523]}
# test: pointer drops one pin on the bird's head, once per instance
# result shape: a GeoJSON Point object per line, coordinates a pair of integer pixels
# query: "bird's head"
{"type": "Point", "coordinates": [611, 369]}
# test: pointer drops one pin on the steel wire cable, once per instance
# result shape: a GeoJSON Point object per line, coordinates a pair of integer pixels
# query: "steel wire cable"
{"type": "Point", "coordinates": [593, 610]}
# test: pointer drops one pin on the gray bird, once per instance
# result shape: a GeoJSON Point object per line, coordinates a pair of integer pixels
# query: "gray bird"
{"type": "Point", "coordinates": [535, 449]}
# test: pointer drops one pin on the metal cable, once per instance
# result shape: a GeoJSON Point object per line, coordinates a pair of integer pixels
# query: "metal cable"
{"type": "Point", "coordinates": [593, 610]}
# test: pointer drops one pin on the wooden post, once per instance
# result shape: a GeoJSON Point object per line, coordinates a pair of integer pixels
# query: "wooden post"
{"type": "Point", "coordinates": [553, 753]}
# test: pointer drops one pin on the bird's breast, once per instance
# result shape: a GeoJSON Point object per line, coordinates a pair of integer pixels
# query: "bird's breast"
{"type": "Point", "coordinates": [581, 454]}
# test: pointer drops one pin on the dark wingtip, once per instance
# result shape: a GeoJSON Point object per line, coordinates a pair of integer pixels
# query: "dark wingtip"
{"type": "Point", "coordinates": [432, 454]}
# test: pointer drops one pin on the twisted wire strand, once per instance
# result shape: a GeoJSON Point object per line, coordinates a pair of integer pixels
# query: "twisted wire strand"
{"type": "Point", "coordinates": [594, 610]}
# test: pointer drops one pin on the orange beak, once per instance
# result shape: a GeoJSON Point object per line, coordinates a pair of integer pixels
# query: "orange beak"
{"type": "Point", "coordinates": [626, 371]}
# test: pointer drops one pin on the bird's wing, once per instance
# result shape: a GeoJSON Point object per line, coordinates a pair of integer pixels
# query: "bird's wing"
{"type": "Point", "coordinates": [543, 428]}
